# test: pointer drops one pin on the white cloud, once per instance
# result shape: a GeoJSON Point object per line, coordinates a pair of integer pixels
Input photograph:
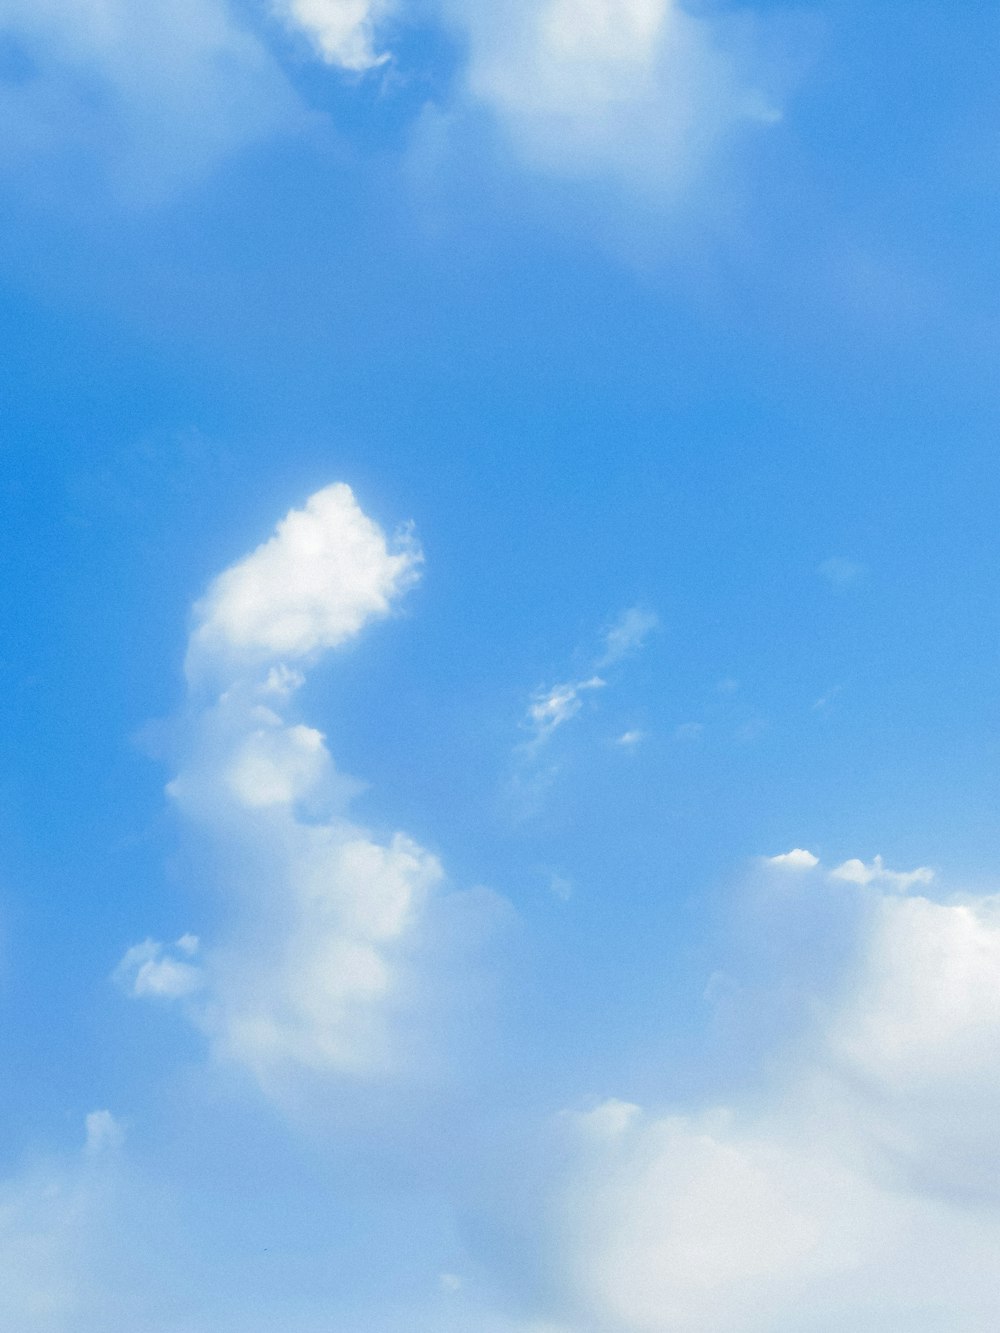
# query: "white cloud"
{"type": "Point", "coordinates": [627, 635]}
{"type": "Point", "coordinates": [315, 972]}
{"type": "Point", "coordinates": [630, 739]}
{"type": "Point", "coordinates": [325, 573]}
{"type": "Point", "coordinates": [151, 969]}
{"type": "Point", "coordinates": [104, 1133]}
{"type": "Point", "coordinates": [150, 94]}
{"type": "Point", "coordinates": [797, 859]}
{"type": "Point", "coordinates": [640, 90]}
{"type": "Point", "coordinates": [342, 31]}
{"type": "Point", "coordinates": [552, 708]}
{"type": "Point", "coordinates": [860, 1190]}
{"type": "Point", "coordinates": [857, 872]}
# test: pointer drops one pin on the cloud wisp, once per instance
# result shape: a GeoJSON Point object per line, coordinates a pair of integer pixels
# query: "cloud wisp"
{"type": "Point", "coordinates": [314, 974]}
{"type": "Point", "coordinates": [551, 707]}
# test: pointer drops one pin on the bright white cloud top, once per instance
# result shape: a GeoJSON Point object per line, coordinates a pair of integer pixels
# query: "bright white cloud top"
{"type": "Point", "coordinates": [327, 571]}
{"type": "Point", "coordinates": [322, 916]}
{"type": "Point", "coordinates": [343, 31]}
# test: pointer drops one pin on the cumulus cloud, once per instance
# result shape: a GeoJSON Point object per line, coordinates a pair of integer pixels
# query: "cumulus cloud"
{"type": "Point", "coordinates": [154, 969]}
{"type": "Point", "coordinates": [640, 90]}
{"type": "Point", "coordinates": [797, 859]}
{"type": "Point", "coordinates": [325, 573]}
{"type": "Point", "coordinates": [861, 1189]}
{"type": "Point", "coordinates": [322, 916]}
{"type": "Point", "coordinates": [876, 872]}
{"type": "Point", "coordinates": [342, 31]}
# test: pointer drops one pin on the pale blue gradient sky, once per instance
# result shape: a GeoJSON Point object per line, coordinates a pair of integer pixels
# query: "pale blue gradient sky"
{"type": "Point", "coordinates": [710, 337]}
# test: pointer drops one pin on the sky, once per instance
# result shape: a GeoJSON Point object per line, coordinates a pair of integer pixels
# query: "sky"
{"type": "Point", "coordinates": [501, 657]}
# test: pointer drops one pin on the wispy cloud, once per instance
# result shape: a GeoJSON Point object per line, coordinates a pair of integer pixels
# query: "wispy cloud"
{"type": "Point", "coordinates": [876, 872]}
{"type": "Point", "coordinates": [627, 635]}
{"type": "Point", "coordinates": [554, 707]}
{"type": "Point", "coordinates": [797, 859]}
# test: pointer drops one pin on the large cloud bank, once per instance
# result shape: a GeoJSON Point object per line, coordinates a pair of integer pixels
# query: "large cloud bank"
{"type": "Point", "coordinates": [860, 1190]}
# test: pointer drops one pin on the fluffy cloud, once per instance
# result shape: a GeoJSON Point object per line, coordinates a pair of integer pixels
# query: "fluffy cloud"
{"type": "Point", "coordinates": [636, 89]}
{"type": "Point", "coordinates": [861, 1191]}
{"type": "Point", "coordinates": [153, 969]}
{"type": "Point", "coordinates": [553, 706]}
{"type": "Point", "coordinates": [325, 573]}
{"type": "Point", "coordinates": [797, 859]}
{"type": "Point", "coordinates": [342, 31]}
{"type": "Point", "coordinates": [857, 872]}
{"type": "Point", "coordinates": [322, 917]}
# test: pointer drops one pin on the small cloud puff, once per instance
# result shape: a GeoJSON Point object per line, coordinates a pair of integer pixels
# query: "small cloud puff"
{"type": "Point", "coordinates": [154, 970]}
{"type": "Point", "coordinates": [857, 872]}
{"type": "Point", "coordinates": [797, 859]}
{"type": "Point", "coordinates": [862, 1186]}
{"type": "Point", "coordinates": [550, 709]}
{"type": "Point", "coordinates": [324, 574]}
{"type": "Point", "coordinates": [627, 635]}
{"type": "Point", "coordinates": [104, 1133]}
{"type": "Point", "coordinates": [341, 31]}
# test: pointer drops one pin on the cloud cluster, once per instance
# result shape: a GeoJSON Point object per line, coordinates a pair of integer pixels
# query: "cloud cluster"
{"type": "Point", "coordinates": [553, 706]}
{"type": "Point", "coordinates": [152, 95]}
{"type": "Point", "coordinates": [861, 1191]}
{"type": "Point", "coordinates": [322, 917]}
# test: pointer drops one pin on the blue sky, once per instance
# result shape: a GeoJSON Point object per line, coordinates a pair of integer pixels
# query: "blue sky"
{"type": "Point", "coordinates": [499, 642]}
